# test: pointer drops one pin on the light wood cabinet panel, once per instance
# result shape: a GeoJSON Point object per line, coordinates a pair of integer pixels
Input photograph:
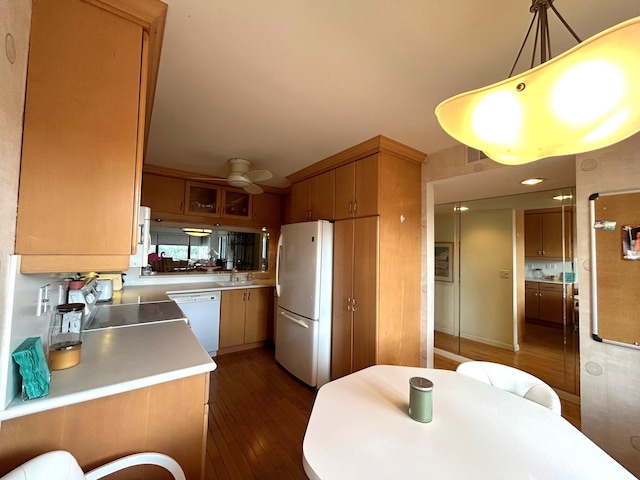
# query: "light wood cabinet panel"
{"type": "Point", "coordinates": [266, 210]}
{"type": "Point", "coordinates": [300, 201]}
{"type": "Point", "coordinates": [257, 314]}
{"type": "Point", "coordinates": [345, 191]}
{"type": "Point", "coordinates": [163, 194]}
{"type": "Point", "coordinates": [365, 293]}
{"type": "Point", "coordinates": [322, 196]}
{"type": "Point", "coordinates": [342, 321]}
{"type": "Point", "coordinates": [367, 186]}
{"type": "Point", "coordinates": [544, 234]}
{"type": "Point", "coordinates": [232, 314]}
{"type": "Point", "coordinates": [244, 318]}
{"type": "Point", "coordinates": [202, 199]}
{"type": "Point", "coordinates": [100, 430]}
{"type": "Point", "coordinates": [357, 188]}
{"type": "Point", "coordinates": [236, 203]}
{"type": "Point", "coordinates": [90, 133]}
{"type": "Point", "coordinates": [355, 295]}
{"type": "Point", "coordinates": [313, 199]}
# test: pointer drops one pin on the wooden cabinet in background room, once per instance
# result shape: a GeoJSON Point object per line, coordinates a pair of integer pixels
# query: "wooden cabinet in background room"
{"type": "Point", "coordinates": [355, 193]}
{"type": "Point", "coordinates": [91, 71]}
{"type": "Point", "coordinates": [545, 301]}
{"type": "Point", "coordinates": [313, 199]}
{"type": "Point", "coordinates": [163, 194]}
{"type": "Point", "coordinates": [236, 203]}
{"type": "Point", "coordinates": [244, 318]}
{"type": "Point", "coordinates": [543, 234]}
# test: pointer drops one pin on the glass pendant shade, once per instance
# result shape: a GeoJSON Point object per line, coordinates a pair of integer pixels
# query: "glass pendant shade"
{"type": "Point", "coordinates": [585, 99]}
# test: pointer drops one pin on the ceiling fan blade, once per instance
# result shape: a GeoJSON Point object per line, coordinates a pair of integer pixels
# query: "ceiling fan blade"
{"type": "Point", "coordinates": [253, 189]}
{"type": "Point", "coordinates": [259, 175]}
{"type": "Point", "coordinates": [204, 178]}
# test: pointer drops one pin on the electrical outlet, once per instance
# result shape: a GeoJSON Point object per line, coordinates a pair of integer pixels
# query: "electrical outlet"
{"type": "Point", "coordinates": [504, 274]}
{"type": "Point", "coordinates": [44, 297]}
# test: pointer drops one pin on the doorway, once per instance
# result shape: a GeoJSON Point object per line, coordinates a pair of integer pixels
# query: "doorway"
{"type": "Point", "coordinates": [499, 301]}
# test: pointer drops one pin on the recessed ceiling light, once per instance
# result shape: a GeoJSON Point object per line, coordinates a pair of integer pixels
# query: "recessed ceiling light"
{"type": "Point", "coordinates": [460, 209]}
{"type": "Point", "coordinates": [532, 181]}
{"type": "Point", "coordinates": [563, 197]}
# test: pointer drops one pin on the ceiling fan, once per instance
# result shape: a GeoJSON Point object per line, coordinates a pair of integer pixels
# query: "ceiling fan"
{"type": "Point", "coordinates": [240, 176]}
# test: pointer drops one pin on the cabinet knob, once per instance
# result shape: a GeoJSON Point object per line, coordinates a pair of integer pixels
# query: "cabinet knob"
{"type": "Point", "coordinates": [353, 304]}
{"type": "Point", "coordinates": [349, 304]}
{"type": "Point", "coordinates": [350, 210]}
{"type": "Point", "coordinates": [355, 207]}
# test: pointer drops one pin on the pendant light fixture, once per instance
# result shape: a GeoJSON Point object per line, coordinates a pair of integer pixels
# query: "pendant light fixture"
{"type": "Point", "coordinates": [584, 99]}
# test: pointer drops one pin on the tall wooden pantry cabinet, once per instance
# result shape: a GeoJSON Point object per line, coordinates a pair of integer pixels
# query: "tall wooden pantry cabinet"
{"type": "Point", "coordinates": [376, 280]}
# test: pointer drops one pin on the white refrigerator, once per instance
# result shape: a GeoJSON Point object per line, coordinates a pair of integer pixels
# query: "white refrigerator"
{"type": "Point", "coordinates": [303, 285]}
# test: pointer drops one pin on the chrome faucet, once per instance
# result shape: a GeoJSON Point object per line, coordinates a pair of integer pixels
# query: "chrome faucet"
{"type": "Point", "coordinates": [234, 274]}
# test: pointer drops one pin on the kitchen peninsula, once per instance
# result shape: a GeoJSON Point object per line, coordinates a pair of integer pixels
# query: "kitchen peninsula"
{"type": "Point", "coordinates": [122, 398]}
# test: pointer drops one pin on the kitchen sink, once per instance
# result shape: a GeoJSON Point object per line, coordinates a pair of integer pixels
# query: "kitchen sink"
{"type": "Point", "coordinates": [235, 283]}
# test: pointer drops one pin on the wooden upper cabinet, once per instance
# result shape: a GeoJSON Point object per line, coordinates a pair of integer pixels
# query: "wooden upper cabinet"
{"type": "Point", "coordinates": [357, 188]}
{"type": "Point", "coordinates": [266, 210]}
{"type": "Point", "coordinates": [544, 233]}
{"type": "Point", "coordinates": [202, 199]}
{"type": "Point", "coordinates": [313, 199]}
{"type": "Point", "coordinates": [83, 139]}
{"type": "Point", "coordinates": [323, 196]}
{"type": "Point", "coordinates": [236, 203]}
{"type": "Point", "coordinates": [163, 194]}
{"type": "Point", "coordinates": [300, 201]}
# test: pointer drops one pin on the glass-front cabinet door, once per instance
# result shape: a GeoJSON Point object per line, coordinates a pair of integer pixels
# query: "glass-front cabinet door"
{"type": "Point", "coordinates": [236, 203]}
{"type": "Point", "coordinates": [202, 199]}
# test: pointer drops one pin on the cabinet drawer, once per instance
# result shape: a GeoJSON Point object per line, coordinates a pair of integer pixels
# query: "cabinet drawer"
{"type": "Point", "coordinates": [553, 287]}
{"type": "Point", "coordinates": [529, 284]}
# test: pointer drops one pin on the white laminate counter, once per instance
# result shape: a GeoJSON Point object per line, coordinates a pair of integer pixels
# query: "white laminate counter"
{"type": "Point", "coordinates": [116, 360]}
{"type": "Point", "coordinates": [158, 292]}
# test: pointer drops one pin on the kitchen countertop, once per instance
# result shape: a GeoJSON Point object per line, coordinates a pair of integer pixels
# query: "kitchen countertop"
{"type": "Point", "coordinates": [117, 360]}
{"type": "Point", "coordinates": [158, 293]}
{"type": "Point", "coordinates": [546, 280]}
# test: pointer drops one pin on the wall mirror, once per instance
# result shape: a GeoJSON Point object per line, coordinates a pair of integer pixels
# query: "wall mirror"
{"type": "Point", "coordinates": [615, 267]}
{"type": "Point", "coordinates": [209, 250]}
{"type": "Point", "coordinates": [507, 298]}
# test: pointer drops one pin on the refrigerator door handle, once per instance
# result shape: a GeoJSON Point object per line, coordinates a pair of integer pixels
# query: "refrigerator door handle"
{"type": "Point", "coordinates": [280, 246]}
{"type": "Point", "coordinates": [294, 320]}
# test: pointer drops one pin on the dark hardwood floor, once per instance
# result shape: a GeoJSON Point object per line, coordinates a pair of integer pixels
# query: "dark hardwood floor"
{"type": "Point", "coordinates": [258, 414]}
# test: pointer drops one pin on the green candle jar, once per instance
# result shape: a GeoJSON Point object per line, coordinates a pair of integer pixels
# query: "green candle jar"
{"type": "Point", "coordinates": [421, 399]}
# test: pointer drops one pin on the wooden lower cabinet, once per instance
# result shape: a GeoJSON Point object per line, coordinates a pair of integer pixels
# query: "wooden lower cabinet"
{"type": "Point", "coordinates": [545, 301]}
{"type": "Point", "coordinates": [170, 418]}
{"type": "Point", "coordinates": [244, 318]}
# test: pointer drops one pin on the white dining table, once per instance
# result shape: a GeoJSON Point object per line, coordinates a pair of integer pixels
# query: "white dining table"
{"type": "Point", "coordinates": [360, 428]}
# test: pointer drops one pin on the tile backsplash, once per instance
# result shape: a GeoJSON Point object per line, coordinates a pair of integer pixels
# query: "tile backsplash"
{"type": "Point", "coordinates": [549, 268]}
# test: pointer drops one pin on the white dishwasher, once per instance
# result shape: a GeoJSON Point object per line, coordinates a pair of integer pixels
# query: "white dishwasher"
{"type": "Point", "coordinates": [203, 311]}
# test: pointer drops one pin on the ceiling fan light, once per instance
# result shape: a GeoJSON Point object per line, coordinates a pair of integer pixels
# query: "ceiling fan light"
{"type": "Point", "coordinates": [238, 181]}
{"type": "Point", "coordinates": [197, 232]}
{"type": "Point", "coordinates": [584, 99]}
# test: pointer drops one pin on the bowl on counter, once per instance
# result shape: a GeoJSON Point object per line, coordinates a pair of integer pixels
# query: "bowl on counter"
{"type": "Point", "coordinates": [552, 277]}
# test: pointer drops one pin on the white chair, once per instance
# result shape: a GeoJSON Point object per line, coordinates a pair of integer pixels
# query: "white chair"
{"type": "Point", "coordinates": [61, 465]}
{"type": "Point", "coordinates": [514, 381]}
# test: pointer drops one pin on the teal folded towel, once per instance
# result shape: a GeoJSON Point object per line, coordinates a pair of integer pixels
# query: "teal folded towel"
{"type": "Point", "coordinates": [33, 368]}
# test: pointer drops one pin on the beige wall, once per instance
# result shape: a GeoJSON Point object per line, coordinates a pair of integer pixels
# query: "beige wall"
{"type": "Point", "coordinates": [609, 374]}
{"type": "Point", "coordinates": [15, 18]}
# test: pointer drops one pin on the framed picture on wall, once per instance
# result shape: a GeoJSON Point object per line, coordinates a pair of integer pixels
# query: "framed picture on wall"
{"type": "Point", "coordinates": [444, 262]}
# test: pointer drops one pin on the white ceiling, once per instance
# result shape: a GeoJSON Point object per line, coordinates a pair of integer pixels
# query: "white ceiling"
{"type": "Point", "coordinates": [286, 83]}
